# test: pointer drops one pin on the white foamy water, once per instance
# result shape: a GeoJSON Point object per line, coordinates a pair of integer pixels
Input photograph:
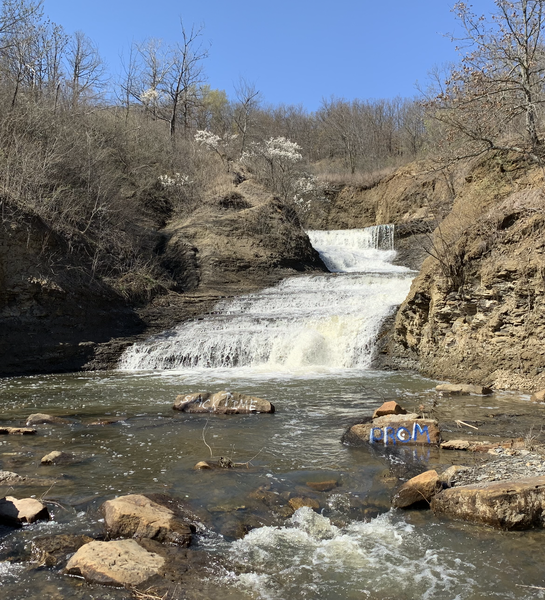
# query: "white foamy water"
{"type": "Point", "coordinates": [312, 558]}
{"type": "Point", "coordinates": [307, 323]}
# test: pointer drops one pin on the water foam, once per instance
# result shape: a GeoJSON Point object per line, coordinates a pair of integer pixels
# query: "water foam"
{"type": "Point", "coordinates": [385, 556]}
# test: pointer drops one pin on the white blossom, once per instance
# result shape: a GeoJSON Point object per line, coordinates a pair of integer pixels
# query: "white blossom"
{"type": "Point", "coordinates": [177, 180]}
{"type": "Point", "coordinates": [283, 149]}
{"type": "Point", "coordinates": [207, 138]}
{"type": "Point", "coordinates": [150, 96]}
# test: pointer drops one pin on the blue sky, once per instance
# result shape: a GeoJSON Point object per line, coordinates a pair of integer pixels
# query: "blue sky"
{"type": "Point", "coordinates": [296, 52]}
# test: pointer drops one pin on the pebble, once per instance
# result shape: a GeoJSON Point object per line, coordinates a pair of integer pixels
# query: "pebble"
{"type": "Point", "coordinates": [509, 464]}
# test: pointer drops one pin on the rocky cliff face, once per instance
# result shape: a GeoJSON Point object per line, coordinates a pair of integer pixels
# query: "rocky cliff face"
{"type": "Point", "coordinates": [52, 311]}
{"type": "Point", "coordinates": [476, 311]}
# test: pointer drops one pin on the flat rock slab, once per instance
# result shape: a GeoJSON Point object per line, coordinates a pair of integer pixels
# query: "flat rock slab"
{"type": "Point", "coordinates": [15, 512]}
{"type": "Point", "coordinates": [463, 389]}
{"type": "Point", "coordinates": [44, 419]}
{"type": "Point", "coordinates": [118, 563]}
{"type": "Point", "coordinates": [421, 488]}
{"type": "Point", "coordinates": [389, 408]}
{"type": "Point", "coordinates": [222, 403]}
{"type": "Point", "coordinates": [138, 516]}
{"type": "Point", "coordinates": [17, 431]}
{"type": "Point", "coordinates": [483, 446]}
{"type": "Point", "coordinates": [395, 430]}
{"type": "Point", "coordinates": [516, 504]}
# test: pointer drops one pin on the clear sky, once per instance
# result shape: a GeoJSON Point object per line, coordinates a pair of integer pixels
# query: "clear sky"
{"type": "Point", "coordinates": [294, 51]}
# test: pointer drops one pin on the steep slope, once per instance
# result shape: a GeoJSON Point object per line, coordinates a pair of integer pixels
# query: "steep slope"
{"type": "Point", "coordinates": [52, 311]}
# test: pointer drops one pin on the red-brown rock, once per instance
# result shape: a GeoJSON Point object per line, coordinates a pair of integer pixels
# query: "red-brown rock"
{"type": "Point", "coordinates": [389, 408]}
{"type": "Point", "coordinates": [420, 488]}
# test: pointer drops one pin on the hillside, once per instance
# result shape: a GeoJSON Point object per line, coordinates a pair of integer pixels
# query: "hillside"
{"type": "Point", "coordinates": [55, 315]}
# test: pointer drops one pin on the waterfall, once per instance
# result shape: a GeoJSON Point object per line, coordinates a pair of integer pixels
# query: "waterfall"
{"type": "Point", "coordinates": [305, 323]}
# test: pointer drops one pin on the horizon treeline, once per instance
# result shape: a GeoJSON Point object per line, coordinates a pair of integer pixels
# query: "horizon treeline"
{"type": "Point", "coordinates": [102, 160]}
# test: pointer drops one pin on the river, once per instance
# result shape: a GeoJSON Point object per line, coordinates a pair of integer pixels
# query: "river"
{"type": "Point", "coordinates": [307, 346]}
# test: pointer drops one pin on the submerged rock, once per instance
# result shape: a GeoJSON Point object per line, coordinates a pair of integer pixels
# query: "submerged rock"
{"type": "Point", "coordinates": [54, 551]}
{"type": "Point", "coordinates": [297, 503]}
{"type": "Point", "coordinates": [17, 431]}
{"type": "Point", "coordinates": [57, 457]}
{"type": "Point", "coordinates": [516, 504]}
{"type": "Point", "coordinates": [45, 419]}
{"type": "Point", "coordinates": [323, 486]}
{"type": "Point", "coordinates": [138, 516]}
{"type": "Point", "coordinates": [421, 488]}
{"type": "Point", "coordinates": [392, 430]}
{"type": "Point", "coordinates": [14, 512]}
{"type": "Point", "coordinates": [121, 563]}
{"type": "Point", "coordinates": [222, 403]}
{"type": "Point", "coordinates": [463, 389]}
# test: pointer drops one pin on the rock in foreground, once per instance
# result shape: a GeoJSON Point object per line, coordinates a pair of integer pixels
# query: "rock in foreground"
{"type": "Point", "coordinates": [392, 430]}
{"type": "Point", "coordinates": [139, 517]}
{"type": "Point", "coordinates": [517, 504]}
{"type": "Point", "coordinates": [421, 488]}
{"type": "Point", "coordinates": [120, 563]}
{"type": "Point", "coordinates": [222, 403]}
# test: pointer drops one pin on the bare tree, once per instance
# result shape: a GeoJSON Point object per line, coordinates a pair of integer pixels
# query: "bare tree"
{"type": "Point", "coordinates": [492, 99]}
{"type": "Point", "coordinates": [86, 71]}
{"type": "Point", "coordinates": [184, 76]}
{"type": "Point", "coordinates": [248, 99]}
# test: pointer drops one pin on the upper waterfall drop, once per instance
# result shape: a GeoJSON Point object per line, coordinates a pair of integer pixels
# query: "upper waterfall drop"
{"type": "Point", "coordinates": [305, 324]}
{"type": "Point", "coordinates": [356, 250]}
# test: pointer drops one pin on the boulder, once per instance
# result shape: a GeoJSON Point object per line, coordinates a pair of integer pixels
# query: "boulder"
{"type": "Point", "coordinates": [538, 396]}
{"type": "Point", "coordinates": [15, 512]}
{"type": "Point", "coordinates": [463, 389]}
{"type": "Point", "coordinates": [138, 516]}
{"type": "Point", "coordinates": [44, 419]}
{"type": "Point", "coordinates": [392, 430]}
{"type": "Point", "coordinates": [297, 503]}
{"type": "Point", "coordinates": [17, 431]}
{"type": "Point", "coordinates": [516, 504]}
{"type": "Point", "coordinates": [389, 408]}
{"type": "Point", "coordinates": [222, 403]}
{"type": "Point", "coordinates": [418, 489]}
{"type": "Point", "coordinates": [57, 457]}
{"type": "Point", "coordinates": [119, 563]}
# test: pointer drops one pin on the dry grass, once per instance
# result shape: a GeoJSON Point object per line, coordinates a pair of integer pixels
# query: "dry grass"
{"type": "Point", "coordinates": [363, 180]}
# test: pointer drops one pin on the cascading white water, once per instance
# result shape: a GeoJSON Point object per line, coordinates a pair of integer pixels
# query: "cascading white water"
{"type": "Point", "coordinates": [305, 323]}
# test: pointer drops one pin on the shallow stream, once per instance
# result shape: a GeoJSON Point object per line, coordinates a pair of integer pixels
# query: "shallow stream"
{"type": "Point", "coordinates": [127, 439]}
